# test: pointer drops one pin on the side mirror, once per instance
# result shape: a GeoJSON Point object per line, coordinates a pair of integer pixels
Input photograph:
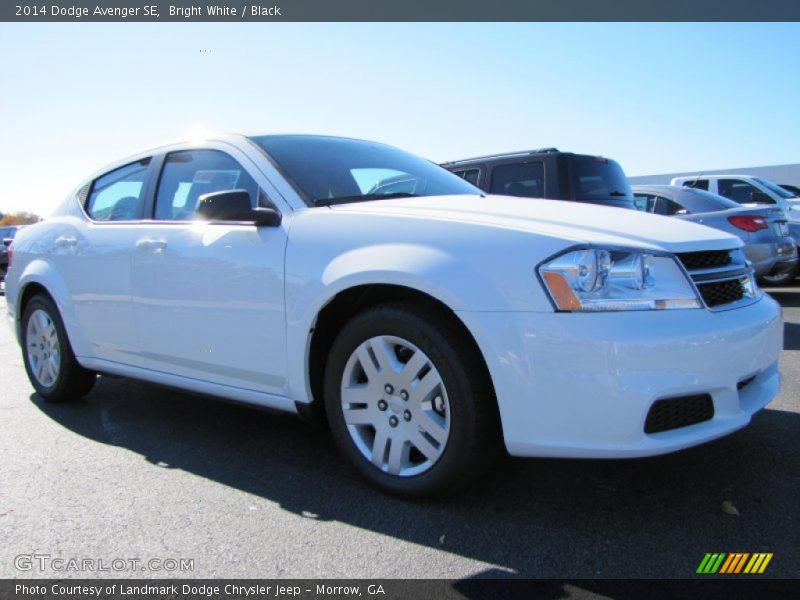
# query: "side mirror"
{"type": "Point", "coordinates": [760, 198]}
{"type": "Point", "coordinates": [7, 242]}
{"type": "Point", "coordinates": [236, 206]}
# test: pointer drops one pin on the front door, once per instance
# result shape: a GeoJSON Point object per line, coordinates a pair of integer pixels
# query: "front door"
{"type": "Point", "coordinates": [209, 296]}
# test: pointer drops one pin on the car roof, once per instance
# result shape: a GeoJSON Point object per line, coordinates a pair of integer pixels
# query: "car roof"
{"type": "Point", "coordinates": [504, 155]}
{"type": "Point", "coordinates": [189, 141]}
{"type": "Point", "coordinates": [661, 187]}
{"type": "Point", "coordinates": [681, 194]}
{"type": "Point", "coordinates": [713, 176]}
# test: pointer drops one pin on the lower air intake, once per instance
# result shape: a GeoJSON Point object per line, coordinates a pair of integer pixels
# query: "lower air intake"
{"type": "Point", "coordinates": [674, 413]}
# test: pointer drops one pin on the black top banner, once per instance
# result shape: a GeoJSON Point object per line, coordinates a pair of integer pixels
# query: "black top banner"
{"type": "Point", "coordinates": [401, 10]}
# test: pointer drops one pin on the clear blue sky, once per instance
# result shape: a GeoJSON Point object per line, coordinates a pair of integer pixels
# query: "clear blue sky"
{"type": "Point", "coordinates": [656, 97]}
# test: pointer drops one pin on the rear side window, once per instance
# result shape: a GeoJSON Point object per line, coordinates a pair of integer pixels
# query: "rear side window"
{"type": "Point", "coordinates": [644, 202]}
{"type": "Point", "coordinates": [519, 179]}
{"type": "Point", "coordinates": [667, 207]}
{"type": "Point", "coordinates": [470, 175]}
{"type": "Point", "coordinates": [187, 175]}
{"type": "Point", "coordinates": [118, 195]}
{"type": "Point", "coordinates": [698, 184]}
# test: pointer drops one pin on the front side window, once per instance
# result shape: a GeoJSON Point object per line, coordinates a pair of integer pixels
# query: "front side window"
{"type": "Point", "coordinates": [118, 195]}
{"type": "Point", "coordinates": [189, 174]}
{"type": "Point", "coordinates": [519, 179]}
{"type": "Point", "coordinates": [329, 170]}
{"type": "Point", "coordinates": [742, 192]}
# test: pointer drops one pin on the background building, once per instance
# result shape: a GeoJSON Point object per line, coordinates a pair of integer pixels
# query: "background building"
{"type": "Point", "coordinates": [789, 174]}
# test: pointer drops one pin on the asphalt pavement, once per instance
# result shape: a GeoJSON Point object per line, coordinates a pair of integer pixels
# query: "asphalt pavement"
{"type": "Point", "coordinates": [136, 472]}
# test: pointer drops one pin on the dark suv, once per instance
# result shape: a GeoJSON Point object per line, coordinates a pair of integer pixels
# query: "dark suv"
{"type": "Point", "coordinates": [548, 173]}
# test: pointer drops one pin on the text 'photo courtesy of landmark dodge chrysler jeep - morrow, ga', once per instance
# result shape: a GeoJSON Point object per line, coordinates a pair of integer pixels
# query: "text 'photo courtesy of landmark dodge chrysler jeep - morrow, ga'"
{"type": "Point", "coordinates": [429, 329]}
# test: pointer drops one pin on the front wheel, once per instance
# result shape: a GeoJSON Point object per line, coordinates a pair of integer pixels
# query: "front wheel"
{"type": "Point", "coordinates": [51, 366]}
{"type": "Point", "coordinates": [409, 402]}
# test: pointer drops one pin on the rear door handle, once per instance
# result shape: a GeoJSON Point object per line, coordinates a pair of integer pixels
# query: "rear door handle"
{"type": "Point", "coordinates": [66, 242]}
{"type": "Point", "coordinates": [150, 244]}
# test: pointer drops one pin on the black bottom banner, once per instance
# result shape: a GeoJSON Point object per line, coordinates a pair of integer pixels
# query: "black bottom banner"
{"type": "Point", "coordinates": [392, 589]}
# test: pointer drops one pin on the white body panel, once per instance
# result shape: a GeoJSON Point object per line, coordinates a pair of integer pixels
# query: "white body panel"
{"type": "Point", "coordinates": [208, 304]}
{"type": "Point", "coordinates": [229, 309]}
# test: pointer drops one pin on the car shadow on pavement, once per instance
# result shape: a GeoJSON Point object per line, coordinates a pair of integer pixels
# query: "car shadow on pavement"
{"type": "Point", "coordinates": [651, 517]}
{"type": "Point", "coordinates": [788, 297]}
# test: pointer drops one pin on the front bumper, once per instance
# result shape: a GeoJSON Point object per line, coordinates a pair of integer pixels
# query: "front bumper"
{"type": "Point", "coordinates": [581, 385]}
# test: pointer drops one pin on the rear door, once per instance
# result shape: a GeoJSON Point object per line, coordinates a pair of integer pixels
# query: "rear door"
{"type": "Point", "coordinates": [209, 296]}
{"type": "Point", "coordinates": [94, 258]}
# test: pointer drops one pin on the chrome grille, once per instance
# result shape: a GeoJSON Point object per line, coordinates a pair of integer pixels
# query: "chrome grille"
{"type": "Point", "coordinates": [710, 259]}
{"type": "Point", "coordinates": [719, 293]}
{"type": "Point", "coordinates": [722, 277]}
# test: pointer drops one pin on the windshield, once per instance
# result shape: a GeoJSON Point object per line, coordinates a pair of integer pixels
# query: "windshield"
{"type": "Point", "coordinates": [330, 170]}
{"type": "Point", "coordinates": [595, 178]}
{"type": "Point", "coordinates": [775, 188]}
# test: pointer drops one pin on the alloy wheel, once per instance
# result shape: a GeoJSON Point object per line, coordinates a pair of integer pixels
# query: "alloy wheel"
{"type": "Point", "coordinates": [43, 348]}
{"type": "Point", "coordinates": [395, 406]}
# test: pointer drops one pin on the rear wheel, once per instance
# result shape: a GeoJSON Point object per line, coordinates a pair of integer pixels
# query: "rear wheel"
{"type": "Point", "coordinates": [782, 278]}
{"type": "Point", "coordinates": [49, 361]}
{"type": "Point", "coordinates": [409, 402]}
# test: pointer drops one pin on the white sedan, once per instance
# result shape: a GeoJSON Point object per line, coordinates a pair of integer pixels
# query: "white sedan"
{"type": "Point", "coordinates": [429, 328]}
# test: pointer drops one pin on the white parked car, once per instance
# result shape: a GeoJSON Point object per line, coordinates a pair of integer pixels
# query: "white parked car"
{"type": "Point", "coordinates": [746, 189]}
{"type": "Point", "coordinates": [428, 329]}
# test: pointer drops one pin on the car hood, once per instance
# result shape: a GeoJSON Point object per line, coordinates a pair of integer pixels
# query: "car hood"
{"type": "Point", "coordinates": [570, 221]}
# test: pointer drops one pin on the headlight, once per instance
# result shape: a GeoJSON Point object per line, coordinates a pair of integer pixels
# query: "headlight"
{"type": "Point", "coordinates": [595, 279]}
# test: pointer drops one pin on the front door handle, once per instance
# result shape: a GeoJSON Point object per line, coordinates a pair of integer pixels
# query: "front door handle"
{"type": "Point", "coordinates": [150, 244]}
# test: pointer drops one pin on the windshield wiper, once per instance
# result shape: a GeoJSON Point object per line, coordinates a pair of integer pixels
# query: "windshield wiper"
{"type": "Point", "coordinates": [361, 198]}
{"type": "Point", "coordinates": [618, 194]}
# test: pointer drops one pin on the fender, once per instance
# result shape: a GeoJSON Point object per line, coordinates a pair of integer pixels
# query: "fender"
{"type": "Point", "coordinates": [430, 270]}
{"type": "Point", "coordinates": [42, 272]}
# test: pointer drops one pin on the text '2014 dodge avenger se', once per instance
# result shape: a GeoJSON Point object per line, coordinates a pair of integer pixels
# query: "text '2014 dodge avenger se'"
{"type": "Point", "coordinates": [429, 329]}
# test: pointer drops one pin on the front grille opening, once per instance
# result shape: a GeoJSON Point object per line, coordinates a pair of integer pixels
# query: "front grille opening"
{"type": "Point", "coordinates": [674, 413]}
{"type": "Point", "coordinates": [708, 259]}
{"type": "Point", "coordinates": [718, 293]}
{"type": "Point", "coordinates": [744, 383]}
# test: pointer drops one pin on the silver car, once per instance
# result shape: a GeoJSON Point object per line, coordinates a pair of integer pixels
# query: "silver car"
{"type": "Point", "coordinates": [764, 229]}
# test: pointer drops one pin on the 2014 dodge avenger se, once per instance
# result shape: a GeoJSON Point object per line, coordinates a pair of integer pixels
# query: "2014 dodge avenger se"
{"type": "Point", "coordinates": [427, 328]}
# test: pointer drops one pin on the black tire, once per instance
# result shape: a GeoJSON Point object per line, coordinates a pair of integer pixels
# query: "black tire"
{"type": "Point", "coordinates": [475, 434]}
{"type": "Point", "coordinates": [72, 382]}
{"type": "Point", "coordinates": [781, 279]}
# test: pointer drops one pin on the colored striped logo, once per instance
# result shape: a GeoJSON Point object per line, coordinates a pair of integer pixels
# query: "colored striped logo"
{"type": "Point", "coordinates": [734, 562]}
